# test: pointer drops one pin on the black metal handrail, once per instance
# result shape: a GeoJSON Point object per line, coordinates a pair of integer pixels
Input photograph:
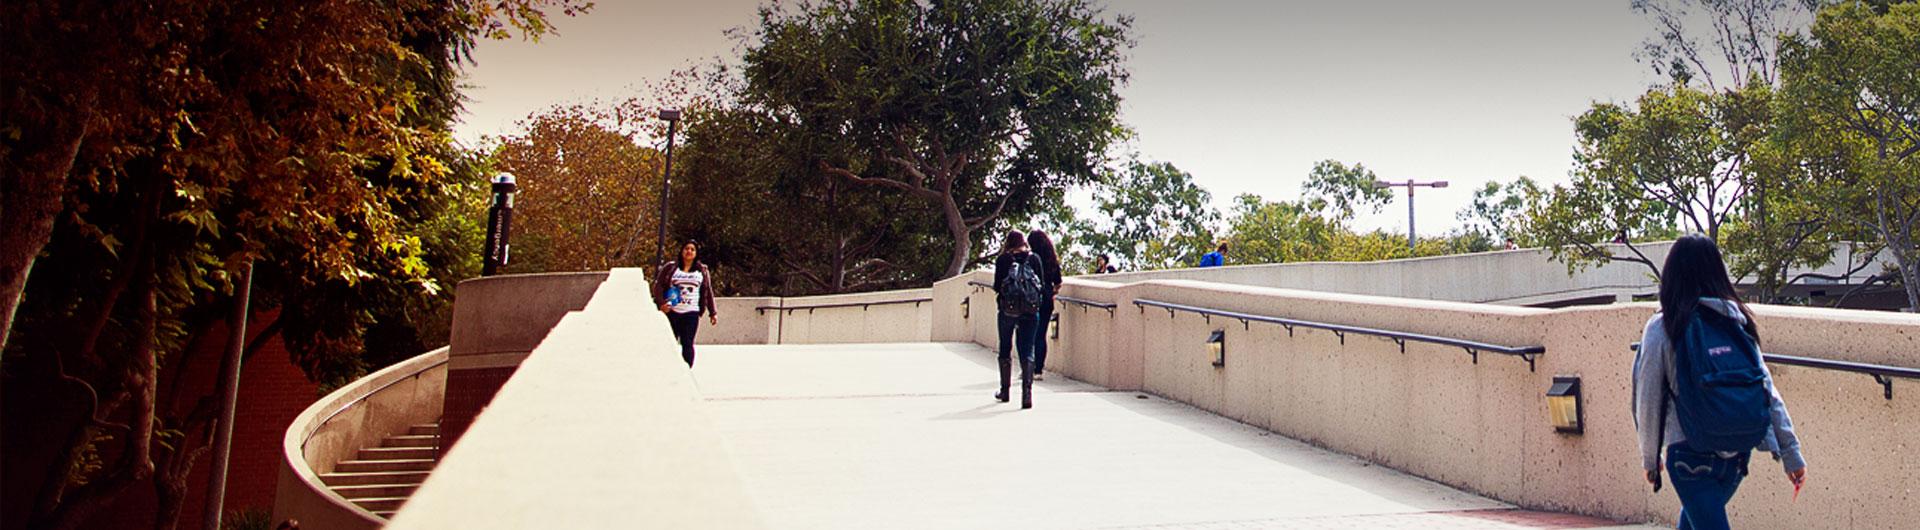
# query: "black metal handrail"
{"type": "Point", "coordinates": [862, 305]}
{"type": "Point", "coordinates": [1473, 348]}
{"type": "Point", "coordinates": [1084, 303]}
{"type": "Point", "coordinates": [978, 285]}
{"type": "Point", "coordinates": [1881, 373]}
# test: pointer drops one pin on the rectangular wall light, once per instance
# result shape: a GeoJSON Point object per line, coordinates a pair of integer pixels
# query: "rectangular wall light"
{"type": "Point", "coordinates": [1563, 405]}
{"type": "Point", "coordinates": [1217, 345]}
{"type": "Point", "coordinates": [1053, 326]}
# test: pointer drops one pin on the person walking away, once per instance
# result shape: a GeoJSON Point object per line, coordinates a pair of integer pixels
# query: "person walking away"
{"type": "Point", "coordinates": [1050, 280]}
{"type": "Point", "coordinates": [1020, 293]}
{"type": "Point", "coordinates": [683, 289]}
{"type": "Point", "coordinates": [1217, 258]}
{"type": "Point", "coordinates": [1701, 390]}
{"type": "Point", "coordinates": [1104, 265]}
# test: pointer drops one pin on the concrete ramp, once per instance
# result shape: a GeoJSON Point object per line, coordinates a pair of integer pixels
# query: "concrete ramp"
{"type": "Point", "coordinates": [909, 436]}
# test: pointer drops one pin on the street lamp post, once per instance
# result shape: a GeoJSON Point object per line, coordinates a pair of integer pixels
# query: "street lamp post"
{"type": "Point", "coordinates": [499, 225]}
{"type": "Point", "coordinates": [1409, 185]}
{"type": "Point", "coordinates": [666, 174]}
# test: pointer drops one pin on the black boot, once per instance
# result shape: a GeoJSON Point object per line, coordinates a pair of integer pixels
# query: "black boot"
{"type": "Point", "coordinates": [1006, 378]}
{"type": "Point", "coordinates": [1026, 385]}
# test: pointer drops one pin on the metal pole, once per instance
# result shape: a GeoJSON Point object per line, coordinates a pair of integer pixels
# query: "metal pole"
{"type": "Point", "coordinates": [1410, 245]}
{"type": "Point", "coordinates": [230, 398]}
{"type": "Point", "coordinates": [499, 226]}
{"type": "Point", "coordinates": [666, 176]}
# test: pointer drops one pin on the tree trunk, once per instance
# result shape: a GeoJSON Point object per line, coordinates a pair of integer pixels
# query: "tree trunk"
{"type": "Point", "coordinates": [962, 237]}
{"type": "Point", "coordinates": [31, 192]}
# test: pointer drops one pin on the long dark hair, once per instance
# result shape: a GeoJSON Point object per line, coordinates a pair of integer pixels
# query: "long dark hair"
{"type": "Point", "coordinates": [680, 255]}
{"type": "Point", "coordinates": [1694, 269]}
{"type": "Point", "coordinates": [1014, 242]}
{"type": "Point", "coordinates": [1043, 246]}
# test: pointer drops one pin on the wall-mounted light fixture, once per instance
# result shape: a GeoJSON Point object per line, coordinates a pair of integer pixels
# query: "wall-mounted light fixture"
{"type": "Point", "coordinates": [966, 307]}
{"type": "Point", "coordinates": [1053, 326]}
{"type": "Point", "coordinates": [1563, 404]}
{"type": "Point", "coordinates": [1217, 345]}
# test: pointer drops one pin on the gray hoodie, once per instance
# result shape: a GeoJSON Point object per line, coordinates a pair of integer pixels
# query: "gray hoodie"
{"type": "Point", "coordinates": [1651, 385]}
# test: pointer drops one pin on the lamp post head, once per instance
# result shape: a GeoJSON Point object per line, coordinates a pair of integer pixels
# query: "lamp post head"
{"type": "Point", "coordinates": [1382, 184]}
{"type": "Point", "coordinates": [670, 114]}
{"type": "Point", "coordinates": [1440, 184]}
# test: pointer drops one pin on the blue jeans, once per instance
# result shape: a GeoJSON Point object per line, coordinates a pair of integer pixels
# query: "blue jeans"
{"type": "Point", "coordinates": [1040, 336]}
{"type": "Point", "coordinates": [1017, 333]}
{"type": "Point", "coordinates": [1705, 482]}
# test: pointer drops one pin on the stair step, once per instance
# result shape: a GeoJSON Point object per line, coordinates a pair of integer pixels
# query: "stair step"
{"type": "Point", "coordinates": [376, 491]}
{"type": "Point", "coordinates": [380, 504]}
{"type": "Point", "coordinates": [396, 453]}
{"type": "Point", "coordinates": [379, 466]}
{"type": "Point", "coordinates": [413, 440]}
{"type": "Point", "coordinates": [374, 477]}
{"type": "Point", "coordinates": [431, 428]}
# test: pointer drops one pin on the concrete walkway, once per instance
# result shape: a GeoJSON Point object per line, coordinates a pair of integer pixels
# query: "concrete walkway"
{"type": "Point", "coordinates": [908, 436]}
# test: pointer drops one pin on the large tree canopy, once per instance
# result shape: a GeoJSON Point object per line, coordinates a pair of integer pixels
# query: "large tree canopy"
{"type": "Point", "coordinates": [973, 107]}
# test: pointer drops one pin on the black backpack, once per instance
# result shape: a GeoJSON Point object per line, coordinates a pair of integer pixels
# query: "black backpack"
{"type": "Point", "coordinates": [1021, 293]}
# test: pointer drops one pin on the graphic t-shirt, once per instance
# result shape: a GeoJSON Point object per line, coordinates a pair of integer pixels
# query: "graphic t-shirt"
{"type": "Point", "coordinates": [683, 293]}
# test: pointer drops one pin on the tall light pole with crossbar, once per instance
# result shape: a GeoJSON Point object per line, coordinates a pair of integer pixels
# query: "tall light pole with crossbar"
{"type": "Point", "coordinates": [1409, 185]}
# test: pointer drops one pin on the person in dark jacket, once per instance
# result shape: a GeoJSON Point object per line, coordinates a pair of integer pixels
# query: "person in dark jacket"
{"type": "Point", "coordinates": [1050, 276]}
{"type": "Point", "coordinates": [1103, 264]}
{"type": "Point", "coordinates": [683, 289]}
{"type": "Point", "coordinates": [1017, 330]}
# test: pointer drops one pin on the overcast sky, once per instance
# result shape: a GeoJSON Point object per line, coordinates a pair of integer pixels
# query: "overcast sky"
{"type": "Point", "coordinates": [1246, 95]}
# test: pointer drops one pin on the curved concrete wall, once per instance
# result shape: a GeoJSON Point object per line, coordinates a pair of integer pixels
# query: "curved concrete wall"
{"type": "Point", "coordinates": [497, 321]}
{"type": "Point", "coordinates": [357, 415]}
{"type": "Point", "coordinates": [1484, 427]}
{"type": "Point", "coordinates": [600, 427]}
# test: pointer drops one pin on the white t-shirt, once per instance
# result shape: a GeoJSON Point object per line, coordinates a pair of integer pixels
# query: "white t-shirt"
{"type": "Point", "coordinates": [683, 293]}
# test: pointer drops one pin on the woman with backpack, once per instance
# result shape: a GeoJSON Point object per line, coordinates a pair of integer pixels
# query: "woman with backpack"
{"type": "Point", "coordinates": [1701, 391]}
{"type": "Point", "coordinates": [1050, 281]}
{"type": "Point", "coordinates": [684, 289]}
{"type": "Point", "coordinates": [1017, 282]}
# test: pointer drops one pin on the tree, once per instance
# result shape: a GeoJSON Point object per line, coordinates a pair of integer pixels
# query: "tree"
{"type": "Point", "coordinates": [1497, 212]}
{"type": "Point", "coordinates": [1744, 39]}
{"type": "Point", "coordinates": [1152, 216]}
{"type": "Point", "coordinates": [1278, 232]}
{"type": "Point", "coordinates": [587, 192]}
{"type": "Point", "coordinates": [1681, 160]}
{"type": "Point", "coordinates": [1852, 102]}
{"type": "Point", "coordinates": [972, 107]}
{"type": "Point", "coordinates": [1336, 189]}
{"type": "Point", "coordinates": [178, 141]}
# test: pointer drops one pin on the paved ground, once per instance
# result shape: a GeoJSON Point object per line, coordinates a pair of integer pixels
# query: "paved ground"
{"type": "Point", "coordinates": [908, 436]}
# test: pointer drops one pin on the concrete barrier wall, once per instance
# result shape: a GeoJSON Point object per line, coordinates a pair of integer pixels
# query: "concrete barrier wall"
{"type": "Point", "coordinates": [497, 321]}
{"type": "Point", "coordinates": [357, 415]}
{"type": "Point", "coordinates": [1525, 276]}
{"type": "Point", "coordinates": [893, 316]}
{"type": "Point", "coordinates": [547, 453]}
{"type": "Point", "coordinates": [1484, 427]}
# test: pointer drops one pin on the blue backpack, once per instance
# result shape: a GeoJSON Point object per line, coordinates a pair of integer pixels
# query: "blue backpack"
{"type": "Point", "coordinates": [1722, 400]}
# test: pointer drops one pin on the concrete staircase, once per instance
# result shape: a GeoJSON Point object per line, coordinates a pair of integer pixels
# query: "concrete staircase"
{"type": "Point", "coordinates": [379, 479]}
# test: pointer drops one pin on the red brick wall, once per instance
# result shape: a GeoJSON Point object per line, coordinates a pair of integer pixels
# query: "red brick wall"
{"type": "Point", "coordinates": [272, 392]}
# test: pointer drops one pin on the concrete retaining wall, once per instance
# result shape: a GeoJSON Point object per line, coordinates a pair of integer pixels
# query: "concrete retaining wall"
{"type": "Point", "coordinates": [1484, 427]}
{"type": "Point", "coordinates": [357, 415]}
{"type": "Point", "coordinates": [893, 316]}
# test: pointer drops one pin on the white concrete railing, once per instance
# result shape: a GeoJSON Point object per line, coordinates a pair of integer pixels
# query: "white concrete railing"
{"type": "Point", "coordinates": [887, 316]}
{"type": "Point", "coordinates": [354, 416]}
{"type": "Point", "coordinates": [600, 426]}
{"type": "Point", "coordinates": [1483, 427]}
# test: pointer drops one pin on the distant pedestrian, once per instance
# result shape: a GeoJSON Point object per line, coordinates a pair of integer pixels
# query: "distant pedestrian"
{"type": "Point", "coordinates": [1104, 265]}
{"type": "Point", "coordinates": [1051, 280]}
{"type": "Point", "coordinates": [1511, 245]}
{"type": "Point", "coordinates": [684, 288]}
{"type": "Point", "coordinates": [1216, 258]}
{"type": "Point", "coordinates": [1021, 293]}
{"type": "Point", "coordinates": [1701, 390]}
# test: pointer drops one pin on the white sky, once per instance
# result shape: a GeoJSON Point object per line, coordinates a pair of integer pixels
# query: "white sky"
{"type": "Point", "coordinates": [1245, 95]}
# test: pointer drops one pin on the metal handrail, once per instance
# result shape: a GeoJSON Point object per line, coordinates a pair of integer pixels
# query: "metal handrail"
{"type": "Point", "coordinates": [1881, 373]}
{"type": "Point", "coordinates": [978, 285]}
{"type": "Point", "coordinates": [862, 305]}
{"type": "Point", "coordinates": [1473, 348]}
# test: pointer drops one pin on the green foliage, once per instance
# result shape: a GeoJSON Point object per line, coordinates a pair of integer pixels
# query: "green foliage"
{"type": "Point", "coordinates": [973, 108]}
{"type": "Point", "coordinates": [1337, 190]}
{"type": "Point", "coordinates": [1497, 214]}
{"type": "Point", "coordinates": [1850, 101]}
{"type": "Point", "coordinates": [1152, 216]}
